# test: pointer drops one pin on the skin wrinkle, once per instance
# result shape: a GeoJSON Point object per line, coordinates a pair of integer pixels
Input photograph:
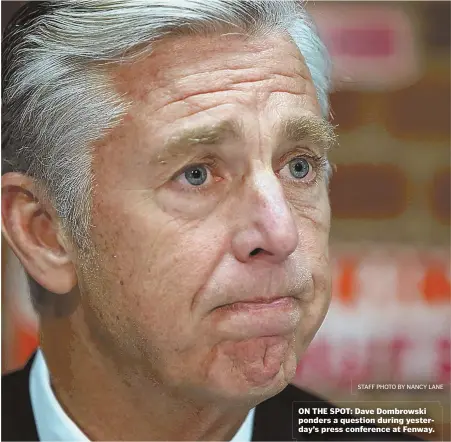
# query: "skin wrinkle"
{"type": "Point", "coordinates": [191, 100]}
{"type": "Point", "coordinates": [243, 79]}
{"type": "Point", "coordinates": [263, 74]}
{"type": "Point", "coordinates": [200, 108]}
{"type": "Point", "coordinates": [235, 61]}
{"type": "Point", "coordinates": [227, 83]}
{"type": "Point", "coordinates": [206, 75]}
{"type": "Point", "coordinates": [164, 256]}
{"type": "Point", "coordinates": [214, 264]}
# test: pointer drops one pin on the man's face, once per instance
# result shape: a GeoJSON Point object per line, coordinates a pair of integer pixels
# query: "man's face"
{"type": "Point", "coordinates": [211, 196]}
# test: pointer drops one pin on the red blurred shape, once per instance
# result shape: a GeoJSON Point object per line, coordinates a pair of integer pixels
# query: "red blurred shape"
{"type": "Point", "coordinates": [25, 343]}
{"type": "Point", "coordinates": [346, 283]}
{"type": "Point", "coordinates": [397, 348]}
{"type": "Point", "coordinates": [444, 356]}
{"type": "Point", "coordinates": [316, 360]}
{"type": "Point", "coordinates": [436, 286]}
{"type": "Point", "coordinates": [373, 45]}
{"type": "Point", "coordinates": [361, 42]}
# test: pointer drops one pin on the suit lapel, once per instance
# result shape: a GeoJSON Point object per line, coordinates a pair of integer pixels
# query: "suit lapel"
{"type": "Point", "coordinates": [17, 412]}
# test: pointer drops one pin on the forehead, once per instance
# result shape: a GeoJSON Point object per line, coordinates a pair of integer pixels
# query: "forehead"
{"type": "Point", "coordinates": [193, 82]}
{"type": "Point", "coordinates": [197, 82]}
{"type": "Point", "coordinates": [188, 67]}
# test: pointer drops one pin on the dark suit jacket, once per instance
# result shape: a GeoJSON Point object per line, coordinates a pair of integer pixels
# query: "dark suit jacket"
{"type": "Point", "coordinates": [272, 421]}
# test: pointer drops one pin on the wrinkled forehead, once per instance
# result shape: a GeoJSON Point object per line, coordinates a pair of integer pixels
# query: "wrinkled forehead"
{"type": "Point", "coordinates": [215, 88]}
{"type": "Point", "coordinates": [189, 97]}
{"type": "Point", "coordinates": [213, 61]}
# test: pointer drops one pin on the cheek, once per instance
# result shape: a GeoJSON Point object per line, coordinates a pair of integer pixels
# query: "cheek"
{"type": "Point", "coordinates": [313, 222]}
{"type": "Point", "coordinates": [188, 206]}
{"type": "Point", "coordinates": [314, 248]}
{"type": "Point", "coordinates": [311, 204]}
{"type": "Point", "coordinates": [314, 312]}
{"type": "Point", "coordinates": [157, 263]}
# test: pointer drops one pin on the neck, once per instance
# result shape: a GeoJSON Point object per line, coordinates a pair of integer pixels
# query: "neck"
{"type": "Point", "coordinates": [108, 402]}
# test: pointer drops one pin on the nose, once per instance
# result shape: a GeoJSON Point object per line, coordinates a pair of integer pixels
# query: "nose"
{"type": "Point", "coordinates": [266, 225]}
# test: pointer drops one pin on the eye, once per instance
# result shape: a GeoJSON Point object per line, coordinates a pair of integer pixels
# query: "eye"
{"type": "Point", "coordinates": [304, 169]}
{"type": "Point", "coordinates": [299, 167]}
{"type": "Point", "coordinates": [195, 175]}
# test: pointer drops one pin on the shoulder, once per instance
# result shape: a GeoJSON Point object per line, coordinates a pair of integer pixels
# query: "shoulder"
{"type": "Point", "coordinates": [15, 387]}
{"type": "Point", "coordinates": [274, 419]}
{"type": "Point", "coordinates": [17, 413]}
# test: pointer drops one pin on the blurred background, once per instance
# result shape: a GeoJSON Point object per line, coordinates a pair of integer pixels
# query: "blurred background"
{"type": "Point", "coordinates": [390, 319]}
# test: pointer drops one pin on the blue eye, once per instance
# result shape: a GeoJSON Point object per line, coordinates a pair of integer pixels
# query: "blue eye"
{"type": "Point", "coordinates": [299, 167]}
{"type": "Point", "coordinates": [196, 175]}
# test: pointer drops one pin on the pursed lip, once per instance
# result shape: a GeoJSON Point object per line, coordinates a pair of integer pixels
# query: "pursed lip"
{"type": "Point", "coordinates": [256, 301]}
{"type": "Point", "coordinates": [262, 300]}
{"type": "Point", "coordinates": [253, 317]}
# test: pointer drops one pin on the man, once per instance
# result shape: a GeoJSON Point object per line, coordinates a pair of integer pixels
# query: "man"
{"type": "Point", "coordinates": [165, 187]}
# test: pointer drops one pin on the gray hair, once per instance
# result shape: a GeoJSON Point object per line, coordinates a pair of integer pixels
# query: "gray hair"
{"type": "Point", "coordinates": [58, 98]}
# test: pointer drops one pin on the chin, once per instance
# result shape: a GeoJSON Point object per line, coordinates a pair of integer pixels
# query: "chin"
{"type": "Point", "coordinates": [253, 383]}
{"type": "Point", "coordinates": [249, 395]}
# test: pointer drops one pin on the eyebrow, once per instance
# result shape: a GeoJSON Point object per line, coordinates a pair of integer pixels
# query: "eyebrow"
{"type": "Point", "coordinates": [311, 129]}
{"type": "Point", "coordinates": [177, 145]}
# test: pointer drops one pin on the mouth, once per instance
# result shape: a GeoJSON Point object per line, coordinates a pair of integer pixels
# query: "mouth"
{"type": "Point", "coordinates": [258, 303]}
{"type": "Point", "coordinates": [258, 317]}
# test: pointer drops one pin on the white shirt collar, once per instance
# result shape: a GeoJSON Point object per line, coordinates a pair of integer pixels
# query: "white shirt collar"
{"type": "Point", "coordinates": [52, 422]}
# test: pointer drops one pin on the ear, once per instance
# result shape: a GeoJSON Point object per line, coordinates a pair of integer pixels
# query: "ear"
{"type": "Point", "coordinates": [33, 232]}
